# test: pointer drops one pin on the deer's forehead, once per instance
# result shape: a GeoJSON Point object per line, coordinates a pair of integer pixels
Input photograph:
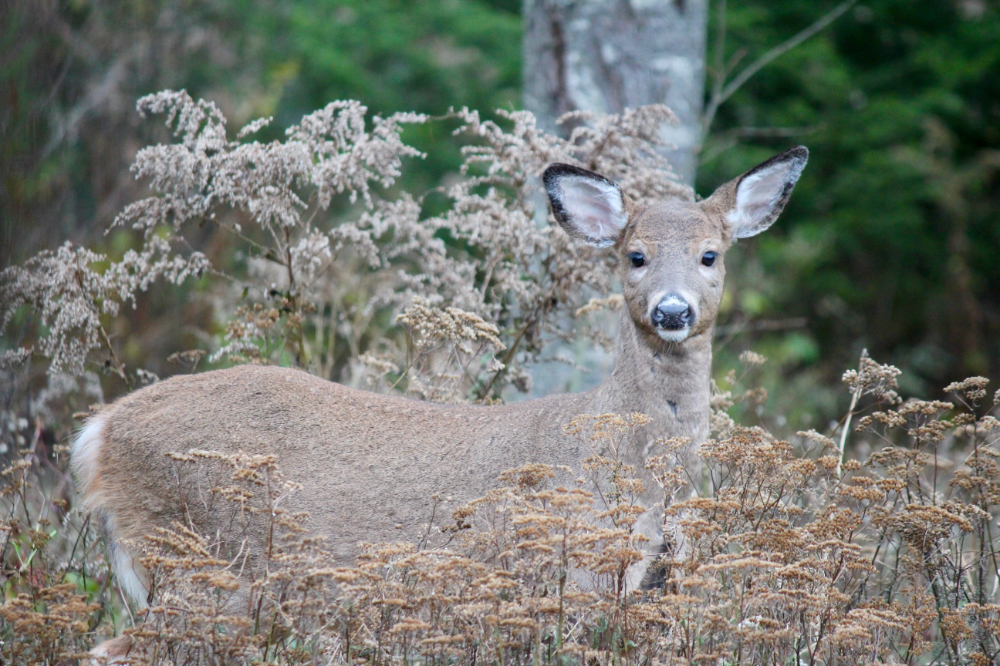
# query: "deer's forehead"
{"type": "Point", "coordinates": [675, 223]}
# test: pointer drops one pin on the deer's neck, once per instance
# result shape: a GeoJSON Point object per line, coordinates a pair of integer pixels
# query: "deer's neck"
{"type": "Point", "coordinates": [668, 382]}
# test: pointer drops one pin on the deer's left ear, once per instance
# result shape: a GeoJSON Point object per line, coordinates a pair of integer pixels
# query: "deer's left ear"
{"type": "Point", "coordinates": [587, 205]}
{"type": "Point", "coordinates": [752, 202]}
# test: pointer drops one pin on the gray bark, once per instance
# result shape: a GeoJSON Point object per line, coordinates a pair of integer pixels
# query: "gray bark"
{"type": "Point", "coordinates": [608, 55]}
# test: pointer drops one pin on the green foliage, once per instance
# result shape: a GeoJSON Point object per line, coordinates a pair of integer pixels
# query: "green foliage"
{"type": "Point", "coordinates": [890, 240]}
{"type": "Point", "coordinates": [425, 56]}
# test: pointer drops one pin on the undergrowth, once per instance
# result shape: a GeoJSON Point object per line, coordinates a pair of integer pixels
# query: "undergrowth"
{"type": "Point", "coordinates": [790, 553]}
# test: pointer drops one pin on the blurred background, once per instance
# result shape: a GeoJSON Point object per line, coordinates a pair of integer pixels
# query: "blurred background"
{"type": "Point", "coordinates": [890, 242]}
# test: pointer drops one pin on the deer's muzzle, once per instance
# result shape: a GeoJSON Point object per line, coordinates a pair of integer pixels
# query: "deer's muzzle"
{"type": "Point", "coordinates": [673, 318]}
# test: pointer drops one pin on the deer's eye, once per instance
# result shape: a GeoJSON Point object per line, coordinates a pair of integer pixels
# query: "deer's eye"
{"type": "Point", "coordinates": [638, 261]}
{"type": "Point", "coordinates": [709, 258]}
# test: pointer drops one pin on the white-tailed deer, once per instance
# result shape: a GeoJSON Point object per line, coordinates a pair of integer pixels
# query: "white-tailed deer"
{"type": "Point", "coordinates": [370, 463]}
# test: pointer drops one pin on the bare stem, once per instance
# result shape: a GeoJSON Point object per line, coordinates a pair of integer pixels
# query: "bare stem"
{"type": "Point", "coordinates": [507, 358]}
{"type": "Point", "coordinates": [850, 414]}
{"type": "Point", "coordinates": [118, 364]}
{"type": "Point", "coordinates": [847, 428]}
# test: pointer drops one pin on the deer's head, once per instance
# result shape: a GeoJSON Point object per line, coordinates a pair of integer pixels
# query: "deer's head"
{"type": "Point", "coordinates": [671, 253]}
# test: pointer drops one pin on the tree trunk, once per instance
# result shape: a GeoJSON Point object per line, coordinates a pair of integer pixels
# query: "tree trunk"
{"type": "Point", "coordinates": [608, 55]}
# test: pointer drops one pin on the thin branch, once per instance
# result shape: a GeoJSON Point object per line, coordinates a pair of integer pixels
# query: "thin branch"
{"type": "Point", "coordinates": [847, 428]}
{"type": "Point", "coordinates": [507, 358]}
{"type": "Point", "coordinates": [118, 364]}
{"type": "Point", "coordinates": [721, 69]}
{"type": "Point", "coordinates": [726, 91]}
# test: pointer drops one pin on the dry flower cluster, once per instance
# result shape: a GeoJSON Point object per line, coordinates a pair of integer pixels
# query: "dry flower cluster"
{"type": "Point", "coordinates": [785, 552]}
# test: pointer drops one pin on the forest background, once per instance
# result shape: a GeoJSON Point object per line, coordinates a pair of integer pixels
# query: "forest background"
{"type": "Point", "coordinates": [889, 244]}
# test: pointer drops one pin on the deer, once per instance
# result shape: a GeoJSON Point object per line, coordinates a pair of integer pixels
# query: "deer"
{"type": "Point", "coordinates": [370, 463]}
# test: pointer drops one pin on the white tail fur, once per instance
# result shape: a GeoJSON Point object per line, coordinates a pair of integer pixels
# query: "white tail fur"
{"type": "Point", "coordinates": [85, 457]}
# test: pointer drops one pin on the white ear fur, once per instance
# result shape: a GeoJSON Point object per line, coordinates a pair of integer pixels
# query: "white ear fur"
{"type": "Point", "coordinates": [586, 205]}
{"type": "Point", "coordinates": [761, 194]}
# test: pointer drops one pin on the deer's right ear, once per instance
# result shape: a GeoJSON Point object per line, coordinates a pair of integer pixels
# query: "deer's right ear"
{"type": "Point", "coordinates": [587, 205]}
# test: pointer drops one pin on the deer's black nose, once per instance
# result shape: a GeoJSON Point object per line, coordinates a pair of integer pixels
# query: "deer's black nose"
{"type": "Point", "coordinates": [673, 313]}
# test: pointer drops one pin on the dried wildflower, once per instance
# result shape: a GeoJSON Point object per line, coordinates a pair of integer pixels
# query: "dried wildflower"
{"type": "Point", "coordinates": [431, 326]}
{"type": "Point", "coordinates": [973, 388]}
{"type": "Point", "coordinates": [988, 423]}
{"type": "Point", "coordinates": [613, 302]}
{"type": "Point", "coordinates": [752, 359]}
{"type": "Point", "coordinates": [188, 357]}
{"type": "Point", "coordinates": [873, 378]}
{"type": "Point", "coordinates": [13, 357]}
{"type": "Point", "coordinates": [824, 442]}
{"type": "Point", "coordinates": [70, 295]}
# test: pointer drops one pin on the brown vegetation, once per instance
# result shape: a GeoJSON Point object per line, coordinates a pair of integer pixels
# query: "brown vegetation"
{"type": "Point", "coordinates": [784, 560]}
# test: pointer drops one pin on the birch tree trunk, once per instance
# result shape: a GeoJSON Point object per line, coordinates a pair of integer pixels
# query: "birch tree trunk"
{"type": "Point", "coordinates": [606, 55]}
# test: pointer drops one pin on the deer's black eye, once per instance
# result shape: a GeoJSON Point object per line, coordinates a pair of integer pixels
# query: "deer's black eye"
{"type": "Point", "coordinates": [708, 258]}
{"type": "Point", "coordinates": [637, 259]}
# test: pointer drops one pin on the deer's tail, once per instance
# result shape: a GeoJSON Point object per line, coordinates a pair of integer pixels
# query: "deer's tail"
{"type": "Point", "coordinates": [87, 460]}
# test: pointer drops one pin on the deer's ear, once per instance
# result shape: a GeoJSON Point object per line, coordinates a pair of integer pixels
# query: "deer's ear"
{"type": "Point", "coordinates": [587, 205]}
{"type": "Point", "coordinates": [752, 202]}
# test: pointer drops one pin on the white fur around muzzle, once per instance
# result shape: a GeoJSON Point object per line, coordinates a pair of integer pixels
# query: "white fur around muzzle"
{"type": "Point", "coordinates": [680, 335]}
